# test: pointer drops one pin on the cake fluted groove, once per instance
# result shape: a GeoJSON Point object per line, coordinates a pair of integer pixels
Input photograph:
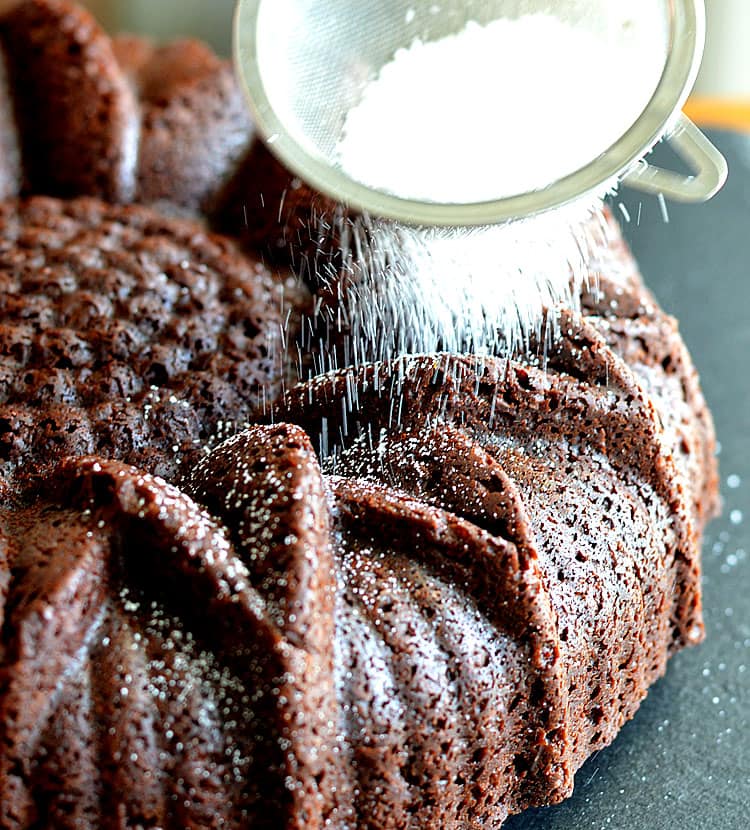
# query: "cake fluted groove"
{"type": "Point", "coordinates": [503, 584]}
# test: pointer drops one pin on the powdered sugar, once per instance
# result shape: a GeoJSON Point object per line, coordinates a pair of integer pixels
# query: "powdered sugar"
{"type": "Point", "coordinates": [480, 290]}
{"type": "Point", "coordinates": [500, 109]}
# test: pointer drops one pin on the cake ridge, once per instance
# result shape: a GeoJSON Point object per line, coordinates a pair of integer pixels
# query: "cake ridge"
{"type": "Point", "coordinates": [89, 123]}
{"type": "Point", "coordinates": [580, 355]}
{"type": "Point", "coordinates": [521, 390]}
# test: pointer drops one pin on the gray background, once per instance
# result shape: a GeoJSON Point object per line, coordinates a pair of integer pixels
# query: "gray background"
{"type": "Point", "coordinates": [684, 762]}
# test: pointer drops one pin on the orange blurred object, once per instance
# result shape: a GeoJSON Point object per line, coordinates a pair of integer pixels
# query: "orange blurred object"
{"type": "Point", "coordinates": [720, 113]}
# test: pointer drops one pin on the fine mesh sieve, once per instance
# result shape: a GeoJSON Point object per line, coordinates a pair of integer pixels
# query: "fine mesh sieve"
{"type": "Point", "coordinates": [305, 63]}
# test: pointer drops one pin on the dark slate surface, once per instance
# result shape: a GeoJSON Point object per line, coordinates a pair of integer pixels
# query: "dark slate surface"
{"type": "Point", "coordinates": [683, 763]}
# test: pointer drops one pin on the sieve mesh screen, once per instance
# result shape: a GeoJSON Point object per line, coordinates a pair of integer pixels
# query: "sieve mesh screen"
{"type": "Point", "coordinates": [315, 57]}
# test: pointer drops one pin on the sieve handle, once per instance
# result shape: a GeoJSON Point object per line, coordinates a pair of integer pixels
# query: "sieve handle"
{"type": "Point", "coordinates": [707, 163]}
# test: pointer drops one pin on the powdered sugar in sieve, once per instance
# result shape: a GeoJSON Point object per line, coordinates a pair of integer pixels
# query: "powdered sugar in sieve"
{"type": "Point", "coordinates": [497, 110]}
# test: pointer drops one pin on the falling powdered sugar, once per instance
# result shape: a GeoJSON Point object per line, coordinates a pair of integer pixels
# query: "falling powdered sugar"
{"type": "Point", "coordinates": [481, 291]}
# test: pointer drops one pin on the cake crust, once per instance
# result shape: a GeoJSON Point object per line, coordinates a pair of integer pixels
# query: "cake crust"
{"type": "Point", "coordinates": [131, 335]}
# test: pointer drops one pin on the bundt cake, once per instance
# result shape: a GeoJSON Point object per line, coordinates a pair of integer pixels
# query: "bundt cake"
{"type": "Point", "coordinates": [406, 594]}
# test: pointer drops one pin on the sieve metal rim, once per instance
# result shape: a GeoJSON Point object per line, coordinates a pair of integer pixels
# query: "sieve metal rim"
{"type": "Point", "coordinates": [620, 161]}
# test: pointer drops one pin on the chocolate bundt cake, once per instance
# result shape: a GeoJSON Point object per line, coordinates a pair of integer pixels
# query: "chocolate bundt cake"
{"type": "Point", "coordinates": [436, 633]}
{"type": "Point", "coordinates": [416, 593]}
